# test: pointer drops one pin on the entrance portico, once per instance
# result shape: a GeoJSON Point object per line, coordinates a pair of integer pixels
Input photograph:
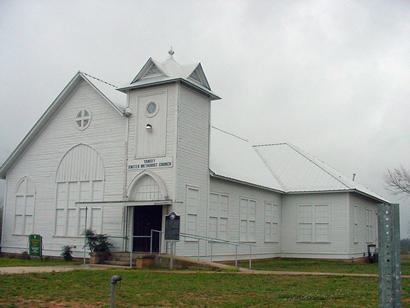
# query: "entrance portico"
{"type": "Point", "coordinates": [145, 215]}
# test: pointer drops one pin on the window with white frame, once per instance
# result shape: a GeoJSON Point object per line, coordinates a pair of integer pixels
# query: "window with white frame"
{"type": "Point", "coordinates": [70, 219]}
{"type": "Point", "coordinates": [356, 224]}
{"type": "Point", "coordinates": [369, 226]}
{"type": "Point", "coordinates": [313, 223]}
{"type": "Point", "coordinates": [24, 207]}
{"type": "Point", "coordinates": [271, 222]}
{"type": "Point", "coordinates": [247, 220]}
{"type": "Point", "coordinates": [218, 216]}
{"type": "Point", "coordinates": [192, 207]}
{"type": "Point", "coordinates": [79, 178]}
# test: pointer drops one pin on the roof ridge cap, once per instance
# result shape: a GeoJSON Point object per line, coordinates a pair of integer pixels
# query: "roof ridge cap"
{"type": "Point", "coordinates": [313, 160]}
{"type": "Point", "coordinates": [283, 186]}
{"type": "Point", "coordinates": [231, 134]}
{"type": "Point", "coordinates": [269, 144]}
{"type": "Point", "coordinates": [99, 79]}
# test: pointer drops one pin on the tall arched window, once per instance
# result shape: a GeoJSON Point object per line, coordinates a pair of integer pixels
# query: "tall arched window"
{"type": "Point", "coordinates": [24, 208]}
{"type": "Point", "coordinates": [80, 177]}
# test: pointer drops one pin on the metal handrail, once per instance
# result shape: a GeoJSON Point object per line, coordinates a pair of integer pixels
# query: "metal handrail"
{"type": "Point", "coordinates": [211, 240]}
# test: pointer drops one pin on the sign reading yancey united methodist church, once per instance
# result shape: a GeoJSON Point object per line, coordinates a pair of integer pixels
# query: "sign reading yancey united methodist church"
{"type": "Point", "coordinates": [162, 162]}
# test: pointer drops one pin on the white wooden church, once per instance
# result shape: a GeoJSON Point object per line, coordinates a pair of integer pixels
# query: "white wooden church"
{"type": "Point", "coordinates": [117, 160]}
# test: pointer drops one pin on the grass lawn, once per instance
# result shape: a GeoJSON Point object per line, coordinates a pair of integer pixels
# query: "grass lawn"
{"type": "Point", "coordinates": [150, 288]}
{"type": "Point", "coordinates": [310, 265]}
{"type": "Point", "coordinates": [33, 262]}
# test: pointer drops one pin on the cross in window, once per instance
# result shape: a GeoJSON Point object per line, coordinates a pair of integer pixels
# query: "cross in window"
{"type": "Point", "coordinates": [83, 118]}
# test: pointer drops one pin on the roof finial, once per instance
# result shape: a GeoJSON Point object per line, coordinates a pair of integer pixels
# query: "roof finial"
{"type": "Point", "coordinates": [171, 52]}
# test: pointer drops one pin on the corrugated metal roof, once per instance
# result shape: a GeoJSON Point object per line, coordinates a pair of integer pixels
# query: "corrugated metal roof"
{"type": "Point", "coordinates": [280, 166]}
{"type": "Point", "coordinates": [234, 158]}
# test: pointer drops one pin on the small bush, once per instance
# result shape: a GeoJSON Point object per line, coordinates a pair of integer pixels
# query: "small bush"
{"type": "Point", "coordinates": [67, 253]}
{"type": "Point", "coordinates": [98, 242]}
{"type": "Point", "coordinates": [25, 255]}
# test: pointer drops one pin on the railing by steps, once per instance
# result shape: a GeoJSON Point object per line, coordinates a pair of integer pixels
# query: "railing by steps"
{"type": "Point", "coordinates": [210, 241]}
{"type": "Point", "coordinates": [170, 245]}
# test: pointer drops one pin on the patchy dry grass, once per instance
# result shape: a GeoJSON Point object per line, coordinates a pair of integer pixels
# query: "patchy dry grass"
{"type": "Point", "coordinates": [150, 288]}
{"type": "Point", "coordinates": [314, 265]}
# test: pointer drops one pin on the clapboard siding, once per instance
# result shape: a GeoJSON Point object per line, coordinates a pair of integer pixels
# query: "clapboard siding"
{"type": "Point", "coordinates": [338, 244]}
{"type": "Point", "coordinates": [359, 248]}
{"type": "Point", "coordinates": [235, 192]}
{"type": "Point", "coordinates": [41, 159]}
{"type": "Point", "coordinates": [166, 174]}
{"type": "Point", "coordinates": [192, 161]}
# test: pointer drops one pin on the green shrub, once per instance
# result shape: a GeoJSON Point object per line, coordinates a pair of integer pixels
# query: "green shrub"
{"type": "Point", "coordinates": [97, 242]}
{"type": "Point", "coordinates": [67, 253]}
{"type": "Point", "coordinates": [25, 255]}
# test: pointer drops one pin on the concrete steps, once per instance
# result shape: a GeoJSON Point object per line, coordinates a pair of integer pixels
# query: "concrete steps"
{"type": "Point", "coordinates": [139, 260]}
{"type": "Point", "coordinates": [143, 260]}
{"type": "Point", "coordinates": [118, 263]}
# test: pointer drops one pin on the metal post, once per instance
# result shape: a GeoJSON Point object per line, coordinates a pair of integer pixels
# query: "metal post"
{"type": "Point", "coordinates": [236, 255]}
{"type": "Point", "coordinates": [160, 242]}
{"type": "Point", "coordinates": [114, 280]}
{"type": "Point", "coordinates": [130, 258]}
{"type": "Point", "coordinates": [211, 249]}
{"type": "Point", "coordinates": [85, 233]}
{"type": "Point", "coordinates": [250, 256]}
{"type": "Point", "coordinates": [150, 243]}
{"type": "Point", "coordinates": [389, 256]}
{"type": "Point", "coordinates": [171, 261]}
{"type": "Point", "coordinates": [198, 251]}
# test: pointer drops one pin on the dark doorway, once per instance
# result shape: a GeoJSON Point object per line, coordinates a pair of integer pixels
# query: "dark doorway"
{"type": "Point", "coordinates": [147, 218]}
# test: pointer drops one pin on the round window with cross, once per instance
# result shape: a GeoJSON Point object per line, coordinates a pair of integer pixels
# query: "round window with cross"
{"type": "Point", "coordinates": [83, 119]}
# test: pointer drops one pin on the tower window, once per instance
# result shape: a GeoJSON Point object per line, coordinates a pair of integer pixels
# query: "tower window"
{"type": "Point", "coordinates": [152, 109]}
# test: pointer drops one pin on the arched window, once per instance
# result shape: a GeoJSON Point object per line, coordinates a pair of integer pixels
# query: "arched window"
{"type": "Point", "coordinates": [80, 177]}
{"type": "Point", "coordinates": [24, 208]}
{"type": "Point", "coordinates": [147, 187]}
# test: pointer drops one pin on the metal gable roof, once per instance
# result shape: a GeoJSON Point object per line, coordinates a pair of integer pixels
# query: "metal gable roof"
{"type": "Point", "coordinates": [109, 90]}
{"type": "Point", "coordinates": [154, 73]}
{"type": "Point", "coordinates": [232, 157]}
{"type": "Point", "coordinates": [103, 88]}
{"type": "Point", "coordinates": [282, 167]}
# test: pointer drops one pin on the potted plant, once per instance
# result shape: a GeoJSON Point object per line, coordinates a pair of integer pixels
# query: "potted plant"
{"type": "Point", "coordinates": [99, 246]}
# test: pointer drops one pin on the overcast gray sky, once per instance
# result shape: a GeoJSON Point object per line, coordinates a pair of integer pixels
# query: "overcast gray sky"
{"type": "Point", "coordinates": [329, 76]}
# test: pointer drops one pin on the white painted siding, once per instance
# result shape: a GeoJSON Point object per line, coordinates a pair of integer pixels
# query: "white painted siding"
{"type": "Point", "coordinates": [363, 223]}
{"type": "Point", "coordinates": [166, 96]}
{"type": "Point", "coordinates": [41, 159]}
{"type": "Point", "coordinates": [237, 192]}
{"type": "Point", "coordinates": [192, 164]}
{"type": "Point", "coordinates": [314, 225]}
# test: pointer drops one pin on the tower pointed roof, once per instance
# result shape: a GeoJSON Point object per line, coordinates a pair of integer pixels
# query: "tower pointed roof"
{"type": "Point", "coordinates": [168, 71]}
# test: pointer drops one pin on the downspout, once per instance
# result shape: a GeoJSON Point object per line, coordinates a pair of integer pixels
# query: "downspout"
{"type": "Point", "coordinates": [127, 113]}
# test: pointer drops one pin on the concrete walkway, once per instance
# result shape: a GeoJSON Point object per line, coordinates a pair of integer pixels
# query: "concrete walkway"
{"type": "Point", "coordinates": [42, 269]}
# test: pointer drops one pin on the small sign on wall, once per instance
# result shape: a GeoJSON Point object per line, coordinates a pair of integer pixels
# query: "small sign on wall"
{"type": "Point", "coordinates": [172, 227]}
{"type": "Point", "coordinates": [148, 163]}
{"type": "Point", "coordinates": [35, 245]}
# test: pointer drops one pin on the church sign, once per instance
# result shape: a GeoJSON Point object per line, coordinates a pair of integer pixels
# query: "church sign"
{"type": "Point", "coordinates": [172, 226]}
{"type": "Point", "coordinates": [148, 163]}
{"type": "Point", "coordinates": [35, 245]}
